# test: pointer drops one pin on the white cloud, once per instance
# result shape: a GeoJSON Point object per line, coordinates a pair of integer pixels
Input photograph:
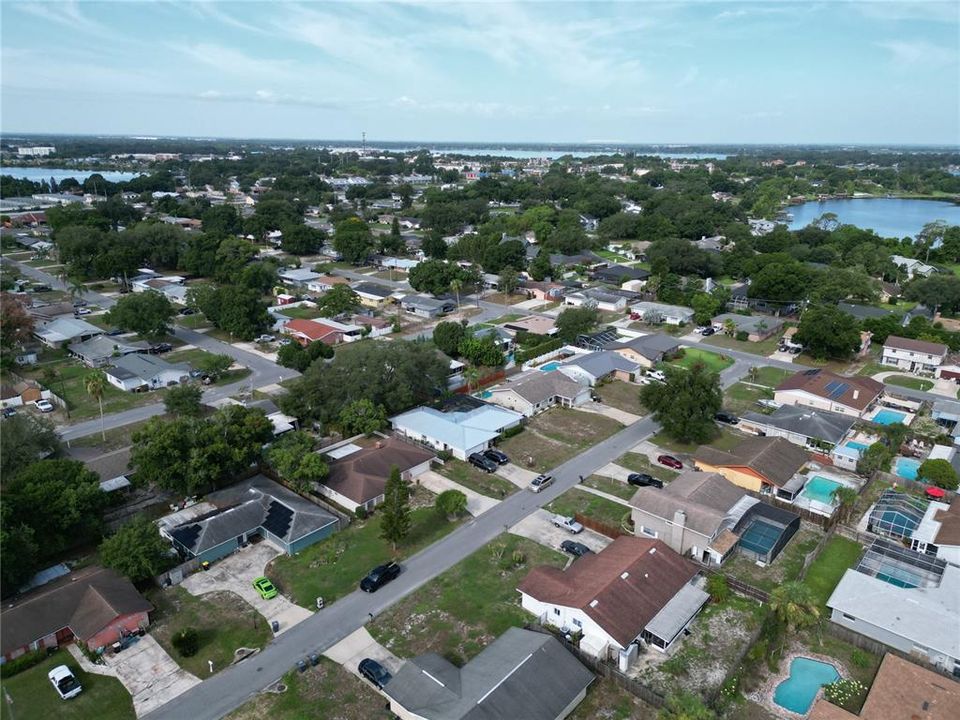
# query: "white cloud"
{"type": "Point", "coordinates": [919, 52]}
{"type": "Point", "coordinates": [67, 14]}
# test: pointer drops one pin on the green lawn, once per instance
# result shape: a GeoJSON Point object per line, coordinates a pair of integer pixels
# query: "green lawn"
{"type": "Point", "coordinates": [223, 620]}
{"type": "Point", "coordinates": [460, 612]}
{"type": "Point", "coordinates": [193, 322]}
{"type": "Point", "coordinates": [610, 255]}
{"type": "Point", "coordinates": [784, 568]}
{"type": "Point", "coordinates": [70, 386]}
{"type": "Point", "coordinates": [641, 464]}
{"type": "Point", "coordinates": [769, 376]}
{"type": "Point", "coordinates": [610, 486]}
{"type": "Point", "coordinates": [713, 361]}
{"type": "Point", "coordinates": [334, 567]}
{"type": "Point", "coordinates": [593, 506]}
{"type": "Point", "coordinates": [906, 381]}
{"type": "Point", "coordinates": [323, 691]}
{"type": "Point", "coordinates": [726, 440]}
{"type": "Point", "coordinates": [30, 696]}
{"type": "Point", "coordinates": [621, 395]}
{"type": "Point", "coordinates": [872, 368]}
{"type": "Point", "coordinates": [477, 480]}
{"type": "Point", "coordinates": [766, 347]}
{"type": "Point", "coordinates": [838, 555]}
{"type": "Point", "coordinates": [395, 275]}
{"type": "Point", "coordinates": [510, 317]}
{"type": "Point", "coordinates": [555, 436]}
{"type": "Point", "coordinates": [301, 313]}
{"type": "Point", "coordinates": [742, 397]}
{"type": "Point", "coordinates": [605, 699]}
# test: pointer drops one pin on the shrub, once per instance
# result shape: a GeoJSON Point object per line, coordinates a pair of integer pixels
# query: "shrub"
{"type": "Point", "coordinates": [718, 588]}
{"type": "Point", "coordinates": [445, 455]}
{"type": "Point", "coordinates": [519, 558]}
{"type": "Point", "coordinates": [361, 513]}
{"type": "Point", "coordinates": [187, 642]}
{"type": "Point", "coordinates": [24, 662]}
{"type": "Point", "coordinates": [845, 692]}
{"type": "Point", "coordinates": [860, 658]}
{"type": "Point", "coordinates": [510, 432]}
{"type": "Point", "coordinates": [742, 335]}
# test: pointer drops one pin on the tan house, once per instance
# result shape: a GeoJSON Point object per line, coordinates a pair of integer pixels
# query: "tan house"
{"type": "Point", "coordinates": [646, 350]}
{"type": "Point", "coordinates": [760, 464]}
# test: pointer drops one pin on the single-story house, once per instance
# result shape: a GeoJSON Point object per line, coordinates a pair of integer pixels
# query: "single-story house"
{"type": "Point", "coordinates": [533, 324]}
{"type": "Point", "coordinates": [825, 390]}
{"type": "Point", "coordinates": [426, 306]}
{"type": "Point", "coordinates": [102, 350]}
{"type": "Point", "coordinates": [462, 432]}
{"type": "Point", "coordinates": [257, 507]}
{"type": "Point", "coordinates": [323, 283]}
{"type": "Point", "coordinates": [598, 298]}
{"type": "Point", "coordinates": [379, 326]}
{"type": "Point", "coordinates": [618, 274]}
{"type": "Point", "coordinates": [656, 313]}
{"type": "Point", "coordinates": [522, 674]}
{"type": "Point", "coordinates": [93, 605]}
{"type": "Point", "coordinates": [145, 372]}
{"type": "Point", "coordinates": [804, 426]}
{"type": "Point", "coordinates": [297, 277]}
{"type": "Point", "coordinates": [373, 295]}
{"type": "Point", "coordinates": [590, 369]}
{"type": "Point", "coordinates": [938, 532]}
{"type": "Point", "coordinates": [900, 689]}
{"type": "Point", "coordinates": [906, 600]}
{"type": "Point", "coordinates": [757, 327]}
{"type": "Point", "coordinates": [47, 311]}
{"type": "Point", "coordinates": [63, 331]}
{"type": "Point", "coordinates": [635, 589]}
{"type": "Point", "coordinates": [912, 266]}
{"type": "Point", "coordinates": [542, 290]}
{"type": "Point", "coordinates": [308, 331]}
{"type": "Point", "coordinates": [646, 350]}
{"type": "Point", "coordinates": [113, 469]}
{"type": "Point", "coordinates": [862, 312]}
{"type": "Point", "coordinates": [22, 392]}
{"type": "Point", "coordinates": [537, 391]}
{"type": "Point", "coordinates": [760, 464]}
{"type": "Point", "coordinates": [357, 478]}
{"type": "Point", "coordinates": [916, 356]}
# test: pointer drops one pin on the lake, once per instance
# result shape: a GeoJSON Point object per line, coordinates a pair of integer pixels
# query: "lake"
{"type": "Point", "coordinates": [37, 174]}
{"type": "Point", "coordinates": [888, 217]}
{"type": "Point", "coordinates": [552, 154]}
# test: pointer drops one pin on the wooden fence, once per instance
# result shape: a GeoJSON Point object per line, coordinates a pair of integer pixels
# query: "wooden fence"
{"type": "Point", "coordinates": [609, 530]}
{"type": "Point", "coordinates": [738, 586]}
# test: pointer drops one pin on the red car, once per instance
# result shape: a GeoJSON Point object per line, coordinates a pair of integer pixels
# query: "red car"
{"type": "Point", "coordinates": [670, 461]}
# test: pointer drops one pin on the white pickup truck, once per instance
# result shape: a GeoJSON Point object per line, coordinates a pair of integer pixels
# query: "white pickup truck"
{"type": "Point", "coordinates": [65, 682]}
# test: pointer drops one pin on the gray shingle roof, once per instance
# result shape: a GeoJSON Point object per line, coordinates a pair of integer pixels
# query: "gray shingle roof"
{"type": "Point", "coordinates": [652, 347]}
{"type": "Point", "coordinates": [602, 363]}
{"type": "Point", "coordinates": [538, 387]}
{"type": "Point", "coordinates": [776, 459]}
{"type": "Point", "coordinates": [706, 498]}
{"type": "Point", "coordinates": [820, 424]}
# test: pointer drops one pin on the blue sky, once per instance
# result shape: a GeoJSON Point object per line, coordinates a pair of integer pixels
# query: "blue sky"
{"type": "Point", "coordinates": [831, 72]}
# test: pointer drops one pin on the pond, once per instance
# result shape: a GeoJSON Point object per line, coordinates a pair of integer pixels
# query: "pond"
{"type": "Point", "coordinates": [888, 217]}
{"type": "Point", "coordinates": [807, 676]}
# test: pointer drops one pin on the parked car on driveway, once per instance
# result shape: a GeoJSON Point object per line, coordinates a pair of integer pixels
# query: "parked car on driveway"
{"type": "Point", "coordinates": [380, 576]}
{"type": "Point", "coordinates": [64, 681]}
{"type": "Point", "coordinates": [265, 588]}
{"type": "Point", "coordinates": [725, 417]}
{"type": "Point", "coordinates": [81, 311]}
{"type": "Point", "coordinates": [496, 455]}
{"type": "Point", "coordinates": [670, 461]}
{"type": "Point", "coordinates": [657, 375]}
{"type": "Point", "coordinates": [9, 412]}
{"type": "Point", "coordinates": [374, 672]}
{"type": "Point", "coordinates": [644, 480]}
{"type": "Point", "coordinates": [483, 462]}
{"type": "Point", "coordinates": [266, 339]}
{"type": "Point", "coordinates": [708, 331]}
{"type": "Point", "coordinates": [567, 523]}
{"type": "Point", "coordinates": [540, 482]}
{"type": "Point", "coordinates": [160, 348]}
{"type": "Point", "coordinates": [45, 406]}
{"type": "Point", "coordinates": [574, 548]}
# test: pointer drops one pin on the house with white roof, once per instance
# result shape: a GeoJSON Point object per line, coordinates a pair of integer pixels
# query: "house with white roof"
{"type": "Point", "coordinates": [65, 330]}
{"type": "Point", "coordinates": [939, 532]}
{"type": "Point", "coordinates": [297, 277]}
{"type": "Point", "coordinates": [912, 266]}
{"type": "Point", "coordinates": [656, 313]}
{"type": "Point", "coordinates": [458, 430]}
{"type": "Point", "coordinates": [598, 298]}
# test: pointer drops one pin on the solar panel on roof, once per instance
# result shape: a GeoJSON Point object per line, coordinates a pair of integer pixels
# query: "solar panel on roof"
{"type": "Point", "coordinates": [278, 520]}
{"type": "Point", "coordinates": [187, 535]}
{"type": "Point", "coordinates": [839, 390]}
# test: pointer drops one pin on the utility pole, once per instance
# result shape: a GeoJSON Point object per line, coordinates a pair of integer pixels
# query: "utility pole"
{"type": "Point", "coordinates": [364, 143]}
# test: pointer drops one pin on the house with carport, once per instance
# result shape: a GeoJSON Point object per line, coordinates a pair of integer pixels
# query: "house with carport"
{"type": "Point", "coordinates": [102, 350]}
{"type": "Point", "coordinates": [64, 331]}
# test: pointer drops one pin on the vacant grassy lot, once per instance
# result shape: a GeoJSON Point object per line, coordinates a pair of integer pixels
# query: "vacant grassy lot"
{"type": "Point", "coordinates": [692, 356]}
{"type": "Point", "coordinates": [555, 436]}
{"type": "Point", "coordinates": [611, 486]}
{"type": "Point", "coordinates": [724, 441]}
{"type": "Point", "coordinates": [605, 699]}
{"type": "Point", "coordinates": [742, 397]}
{"type": "Point", "coordinates": [500, 299]}
{"type": "Point", "coordinates": [69, 384]}
{"type": "Point", "coordinates": [575, 501]}
{"type": "Point", "coordinates": [334, 567]}
{"type": "Point", "coordinates": [914, 383]}
{"type": "Point", "coordinates": [30, 696]}
{"type": "Point", "coordinates": [641, 464]}
{"type": "Point", "coordinates": [477, 480]}
{"type": "Point", "coordinates": [765, 347]}
{"type": "Point", "coordinates": [301, 312]}
{"type": "Point", "coordinates": [837, 556]}
{"type": "Point", "coordinates": [786, 567]}
{"type": "Point", "coordinates": [324, 691]}
{"type": "Point", "coordinates": [460, 612]}
{"type": "Point", "coordinates": [621, 395]}
{"type": "Point", "coordinates": [223, 620]}
{"type": "Point", "coordinates": [395, 275]}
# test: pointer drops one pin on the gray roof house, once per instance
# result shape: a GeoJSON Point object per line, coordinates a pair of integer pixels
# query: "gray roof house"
{"type": "Point", "coordinates": [426, 306]}
{"type": "Point", "coordinates": [298, 277]}
{"type": "Point", "coordinates": [801, 425]}
{"type": "Point", "coordinates": [521, 674]}
{"type": "Point", "coordinates": [254, 507]}
{"type": "Point", "coordinates": [654, 312]}
{"type": "Point", "coordinates": [138, 372]}
{"type": "Point", "coordinates": [620, 273]}
{"type": "Point", "coordinates": [101, 350]}
{"type": "Point", "coordinates": [589, 369]}
{"type": "Point", "coordinates": [537, 391]}
{"type": "Point", "coordinates": [862, 312]}
{"type": "Point", "coordinates": [646, 350]}
{"type": "Point", "coordinates": [757, 327]}
{"type": "Point", "coordinates": [65, 330]}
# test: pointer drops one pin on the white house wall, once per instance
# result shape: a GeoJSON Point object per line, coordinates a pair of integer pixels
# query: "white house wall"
{"type": "Point", "coordinates": [594, 636]}
{"type": "Point", "coordinates": [805, 399]}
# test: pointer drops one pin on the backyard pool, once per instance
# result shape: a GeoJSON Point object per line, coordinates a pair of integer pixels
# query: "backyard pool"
{"type": "Point", "coordinates": [857, 445]}
{"type": "Point", "coordinates": [907, 468]}
{"type": "Point", "coordinates": [821, 489]}
{"type": "Point", "coordinates": [889, 417]}
{"type": "Point", "coordinates": [549, 367]}
{"type": "Point", "coordinates": [807, 676]}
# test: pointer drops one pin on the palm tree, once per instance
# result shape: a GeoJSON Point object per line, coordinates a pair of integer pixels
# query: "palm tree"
{"type": "Point", "coordinates": [472, 376]}
{"type": "Point", "coordinates": [95, 384]}
{"type": "Point", "coordinates": [457, 285]}
{"type": "Point", "coordinates": [729, 327]}
{"type": "Point", "coordinates": [76, 288]}
{"type": "Point", "coordinates": [794, 605]}
{"type": "Point", "coordinates": [846, 498]}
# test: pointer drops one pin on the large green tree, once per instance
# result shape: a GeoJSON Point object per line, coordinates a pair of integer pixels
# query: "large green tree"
{"type": "Point", "coordinates": [293, 458]}
{"type": "Point", "coordinates": [395, 519]}
{"type": "Point", "coordinates": [337, 300]}
{"type": "Point", "coordinates": [827, 332]}
{"type": "Point", "coordinates": [939, 473]}
{"type": "Point", "coordinates": [24, 439]}
{"type": "Point", "coordinates": [353, 240]}
{"type": "Point", "coordinates": [685, 404]}
{"type": "Point", "coordinates": [237, 310]}
{"type": "Point", "coordinates": [183, 400]}
{"type": "Point", "coordinates": [576, 320]}
{"type": "Point", "coordinates": [137, 550]}
{"type": "Point", "coordinates": [301, 240]}
{"type": "Point", "coordinates": [937, 291]}
{"type": "Point", "coordinates": [447, 336]}
{"type": "Point", "coordinates": [795, 605]}
{"type": "Point", "coordinates": [16, 324]}
{"type": "Point", "coordinates": [148, 313]}
{"type": "Point", "coordinates": [362, 417]}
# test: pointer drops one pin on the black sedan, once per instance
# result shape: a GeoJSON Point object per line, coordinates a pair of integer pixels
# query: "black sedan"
{"type": "Point", "coordinates": [725, 417]}
{"type": "Point", "coordinates": [574, 548]}
{"type": "Point", "coordinates": [374, 672]}
{"type": "Point", "coordinates": [380, 576]}
{"type": "Point", "coordinates": [644, 480]}
{"type": "Point", "coordinates": [479, 460]}
{"type": "Point", "coordinates": [498, 457]}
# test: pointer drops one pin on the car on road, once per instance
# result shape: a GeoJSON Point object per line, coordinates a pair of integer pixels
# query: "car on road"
{"type": "Point", "coordinates": [77, 312]}
{"type": "Point", "coordinates": [79, 303]}
{"type": "Point", "coordinates": [574, 548]}
{"type": "Point", "coordinates": [483, 462]}
{"type": "Point", "coordinates": [567, 523]}
{"type": "Point", "coordinates": [41, 288]}
{"type": "Point", "coordinates": [45, 406]}
{"type": "Point", "coordinates": [540, 482]}
{"type": "Point", "coordinates": [707, 332]}
{"type": "Point", "coordinates": [380, 576]}
{"type": "Point", "coordinates": [725, 417]}
{"type": "Point", "coordinates": [644, 480]}
{"type": "Point", "coordinates": [112, 332]}
{"type": "Point", "coordinates": [267, 339]}
{"type": "Point", "coordinates": [65, 682]}
{"type": "Point", "coordinates": [500, 458]}
{"type": "Point", "coordinates": [265, 588]}
{"type": "Point", "coordinates": [374, 672]}
{"type": "Point", "coordinates": [670, 461]}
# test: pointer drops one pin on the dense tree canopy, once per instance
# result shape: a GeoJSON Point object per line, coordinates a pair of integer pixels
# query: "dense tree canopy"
{"type": "Point", "coordinates": [576, 320]}
{"type": "Point", "coordinates": [353, 240]}
{"type": "Point", "coordinates": [685, 404]}
{"type": "Point", "coordinates": [146, 313]}
{"type": "Point", "coordinates": [826, 332]}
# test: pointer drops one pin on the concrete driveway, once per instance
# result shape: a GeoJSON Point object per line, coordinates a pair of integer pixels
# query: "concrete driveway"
{"type": "Point", "coordinates": [614, 471]}
{"type": "Point", "coordinates": [359, 645]}
{"type": "Point", "coordinates": [236, 574]}
{"type": "Point", "coordinates": [519, 476]}
{"type": "Point", "coordinates": [621, 416]}
{"type": "Point", "coordinates": [149, 674]}
{"type": "Point", "coordinates": [477, 504]}
{"type": "Point", "coordinates": [538, 526]}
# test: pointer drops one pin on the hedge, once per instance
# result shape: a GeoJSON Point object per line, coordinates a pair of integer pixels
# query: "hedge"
{"type": "Point", "coordinates": [538, 350]}
{"type": "Point", "coordinates": [24, 662]}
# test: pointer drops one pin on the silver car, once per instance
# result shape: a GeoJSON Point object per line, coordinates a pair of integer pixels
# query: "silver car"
{"type": "Point", "coordinates": [540, 482]}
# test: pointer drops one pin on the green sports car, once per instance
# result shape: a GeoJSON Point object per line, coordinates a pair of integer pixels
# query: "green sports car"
{"type": "Point", "coordinates": [265, 588]}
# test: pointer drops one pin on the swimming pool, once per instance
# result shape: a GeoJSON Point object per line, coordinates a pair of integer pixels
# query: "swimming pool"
{"type": "Point", "coordinates": [889, 417]}
{"type": "Point", "coordinates": [549, 367]}
{"type": "Point", "coordinates": [807, 676]}
{"type": "Point", "coordinates": [821, 489]}
{"type": "Point", "coordinates": [857, 445]}
{"type": "Point", "coordinates": [906, 468]}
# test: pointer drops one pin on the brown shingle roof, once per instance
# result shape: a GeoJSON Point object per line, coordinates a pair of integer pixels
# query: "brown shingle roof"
{"type": "Point", "coordinates": [902, 343]}
{"type": "Point", "coordinates": [362, 476]}
{"type": "Point", "coordinates": [776, 459]}
{"type": "Point", "coordinates": [949, 532]}
{"type": "Point", "coordinates": [824, 710]}
{"type": "Point", "coordinates": [86, 602]}
{"type": "Point", "coordinates": [622, 606]}
{"type": "Point", "coordinates": [904, 690]}
{"type": "Point", "coordinates": [815, 382]}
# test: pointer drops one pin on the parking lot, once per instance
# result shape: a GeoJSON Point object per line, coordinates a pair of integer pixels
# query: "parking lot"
{"type": "Point", "coordinates": [236, 574]}
{"type": "Point", "coordinates": [539, 527]}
